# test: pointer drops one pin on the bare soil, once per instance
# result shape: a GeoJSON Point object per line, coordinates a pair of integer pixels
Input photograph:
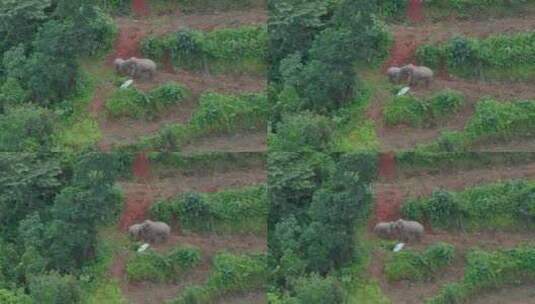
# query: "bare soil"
{"type": "Point", "coordinates": [509, 295]}
{"type": "Point", "coordinates": [237, 142]}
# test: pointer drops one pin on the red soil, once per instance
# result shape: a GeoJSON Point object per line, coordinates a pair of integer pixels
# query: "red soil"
{"type": "Point", "coordinates": [140, 7]}
{"type": "Point", "coordinates": [127, 44]}
{"type": "Point", "coordinates": [388, 202]}
{"type": "Point", "coordinates": [415, 11]}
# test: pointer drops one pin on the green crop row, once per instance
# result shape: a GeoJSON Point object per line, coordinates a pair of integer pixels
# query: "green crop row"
{"type": "Point", "coordinates": [509, 57]}
{"type": "Point", "coordinates": [231, 274]}
{"type": "Point", "coordinates": [216, 114]}
{"type": "Point", "coordinates": [239, 49]}
{"type": "Point", "coordinates": [422, 112]}
{"type": "Point", "coordinates": [492, 120]}
{"type": "Point", "coordinates": [489, 270]}
{"type": "Point", "coordinates": [419, 266]}
{"type": "Point", "coordinates": [134, 103]}
{"type": "Point", "coordinates": [157, 267]}
{"type": "Point", "coordinates": [508, 205]}
{"type": "Point", "coordinates": [234, 210]}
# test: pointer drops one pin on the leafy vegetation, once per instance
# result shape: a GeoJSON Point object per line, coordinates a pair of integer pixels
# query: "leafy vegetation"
{"type": "Point", "coordinates": [131, 102]}
{"type": "Point", "coordinates": [507, 57]}
{"type": "Point", "coordinates": [493, 120]}
{"type": "Point", "coordinates": [419, 266]}
{"type": "Point", "coordinates": [489, 270]}
{"type": "Point", "coordinates": [230, 274]}
{"type": "Point", "coordinates": [415, 112]}
{"type": "Point", "coordinates": [508, 205]}
{"type": "Point", "coordinates": [153, 266]}
{"type": "Point", "coordinates": [216, 114]}
{"type": "Point", "coordinates": [241, 49]}
{"type": "Point", "coordinates": [234, 210]}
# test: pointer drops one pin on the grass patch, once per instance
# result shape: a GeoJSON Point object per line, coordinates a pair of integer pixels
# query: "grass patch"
{"type": "Point", "coordinates": [503, 57]}
{"type": "Point", "coordinates": [242, 49]}
{"type": "Point", "coordinates": [419, 266]}
{"type": "Point", "coordinates": [489, 270]}
{"type": "Point", "coordinates": [156, 267]}
{"type": "Point", "coordinates": [216, 114]}
{"type": "Point", "coordinates": [133, 103]}
{"type": "Point", "coordinates": [508, 205]}
{"type": "Point", "coordinates": [492, 120]}
{"type": "Point", "coordinates": [234, 210]}
{"type": "Point", "coordinates": [423, 112]}
{"type": "Point", "coordinates": [231, 274]}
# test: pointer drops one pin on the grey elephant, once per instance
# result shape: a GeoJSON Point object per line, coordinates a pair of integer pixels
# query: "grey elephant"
{"type": "Point", "coordinates": [417, 74]}
{"type": "Point", "coordinates": [155, 232]}
{"type": "Point", "coordinates": [135, 231]}
{"type": "Point", "coordinates": [136, 67]}
{"type": "Point", "coordinates": [394, 74]}
{"type": "Point", "coordinates": [409, 230]}
{"type": "Point", "coordinates": [385, 230]}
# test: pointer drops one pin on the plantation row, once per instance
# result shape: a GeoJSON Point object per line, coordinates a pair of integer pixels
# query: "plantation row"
{"type": "Point", "coordinates": [492, 120]}
{"type": "Point", "coordinates": [486, 271]}
{"type": "Point", "coordinates": [441, 8]}
{"type": "Point", "coordinates": [237, 210]}
{"type": "Point", "coordinates": [503, 206]}
{"type": "Point", "coordinates": [508, 57]}
{"type": "Point", "coordinates": [216, 114]}
{"type": "Point", "coordinates": [230, 274]}
{"type": "Point", "coordinates": [240, 49]}
{"type": "Point", "coordinates": [187, 6]}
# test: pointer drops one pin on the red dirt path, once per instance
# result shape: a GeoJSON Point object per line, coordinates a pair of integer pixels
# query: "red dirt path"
{"type": "Point", "coordinates": [140, 7]}
{"type": "Point", "coordinates": [415, 11]}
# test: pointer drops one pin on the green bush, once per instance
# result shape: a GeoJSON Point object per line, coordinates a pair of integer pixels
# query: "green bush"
{"type": "Point", "coordinates": [10, 297]}
{"type": "Point", "coordinates": [242, 48]}
{"type": "Point", "coordinates": [230, 274]}
{"type": "Point", "coordinates": [416, 266]}
{"type": "Point", "coordinates": [235, 210]}
{"type": "Point", "coordinates": [55, 289]}
{"type": "Point", "coordinates": [219, 113]}
{"type": "Point", "coordinates": [156, 267]}
{"type": "Point", "coordinates": [131, 102]}
{"type": "Point", "coordinates": [302, 131]}
{"type": "Point", "coordinates": [492, 120]}
{"type": "Point", "coordinates": [415, 112]}
{"type": "Point", "coordinates": [508, 205]}
{"type": "Point", "coordinates": [26, 128]}
{"type": "Point", "coordinates": [498, 56]}
{"type": "Point", "coordinates": [487, 271]}
{"type": "Point", "coordinates": [236, 273]}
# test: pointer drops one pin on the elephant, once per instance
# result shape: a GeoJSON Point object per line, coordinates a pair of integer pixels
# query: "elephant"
{"type": "Point", "coordinates": [417, 74]}
{"type": "Point", "coordinates": [136, 67]}
{"type": "Point", "coordinates": [155, 232]}
{"type": "Point", "coordinates": [394, 74]}
{"type": "Point", "coordinates": [409, 230]}
{"type": "Point", "coordinates": [385, 230]}
{"type": "Point", "coordinates": [135, 231]}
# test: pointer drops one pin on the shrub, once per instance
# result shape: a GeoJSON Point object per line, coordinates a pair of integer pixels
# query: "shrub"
{"type": "Point", "coordinates": [219, 113]}
{"type": "Point", "coordinates": [238, 273]}
{"type": "Point", "coordinates": [318, 290]}
{"type": "Point", "coordinates": [415, 112]}
{"type": "Point", "coordinates": [498, 56]}
{"type": "Point", "coordinates": [489, 270]}
{"type": "Point", "coordinates": [235, 209]}
{"type": "Point", "coordinates": [231, 48]}
{"type": "Point", "coordinates": [26, 128]}
{"type": "Point", "coordinates": [415, 266]}
{"type": "Point", "coordinates": [55, 289]}
{"type": "Point", "coordinates": [505, 205]}
{"type": "Point", "coordinates": [131, 102]}
{"type": "Point", "coordinates": [156, 267]}
{"type": "Point", "coordinates": [302, 131]}
{"type": "Point", "coordinates": [10, 297]}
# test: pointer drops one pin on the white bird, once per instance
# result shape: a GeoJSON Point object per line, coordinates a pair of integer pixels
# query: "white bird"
{"type": "Point", "coordinates": [143, 247]}
{"type": "Point", "coordinates": [398, 247]}
{"type": "Point", "coordinates": [126, 84]}
{"type": "Point", "coordinates": [403, 91]}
